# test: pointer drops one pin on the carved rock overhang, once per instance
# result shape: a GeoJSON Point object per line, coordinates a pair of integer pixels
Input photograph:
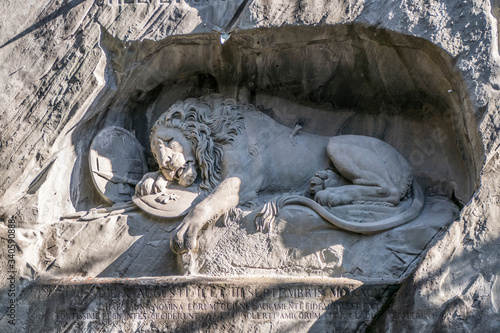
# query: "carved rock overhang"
{"type": "Point", "coordinates": [332, 80]}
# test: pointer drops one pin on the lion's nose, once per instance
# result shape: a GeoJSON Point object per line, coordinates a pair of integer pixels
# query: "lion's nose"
{"type": "Point", "coordinates": [166, 160]}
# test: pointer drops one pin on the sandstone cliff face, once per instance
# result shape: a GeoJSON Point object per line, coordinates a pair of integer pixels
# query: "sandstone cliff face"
{"type": "Point", "coordinates": [71, 68]}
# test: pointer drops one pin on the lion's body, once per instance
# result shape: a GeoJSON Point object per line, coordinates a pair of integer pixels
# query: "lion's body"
{"type": "Point", "coordinates": [243, 154]}
{"type": "Point", "coordinates": [268, 160]}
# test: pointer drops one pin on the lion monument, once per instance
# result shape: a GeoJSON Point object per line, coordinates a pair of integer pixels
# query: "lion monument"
{"type": "Point", "coordinates": [239, 156]}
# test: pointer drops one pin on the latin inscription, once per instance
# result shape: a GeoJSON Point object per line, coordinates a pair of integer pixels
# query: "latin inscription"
{"type": "Point", "coordinates": [200, 306]}
{"type": "Point", "coordinates": [260, 311]}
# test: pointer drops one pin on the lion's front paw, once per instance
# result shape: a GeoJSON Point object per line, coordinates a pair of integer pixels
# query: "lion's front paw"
{"type": "Point", "coordinates": [151, 183]}
{"type": "Point", "coordinates": [184, 237]}
{"type": "Point", "coordinates": [144, 187]}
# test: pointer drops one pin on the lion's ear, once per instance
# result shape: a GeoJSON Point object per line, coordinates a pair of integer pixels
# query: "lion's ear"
{"type": "Point", "coordinates": [175, 114]}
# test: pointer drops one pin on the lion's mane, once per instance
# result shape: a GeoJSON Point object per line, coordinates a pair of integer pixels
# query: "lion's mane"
{"type": "Point", "coordinates": [209, 123]}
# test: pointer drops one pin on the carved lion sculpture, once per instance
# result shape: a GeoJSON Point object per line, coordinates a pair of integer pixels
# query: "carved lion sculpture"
{"type": "Point", "coordinates": [242, 155]}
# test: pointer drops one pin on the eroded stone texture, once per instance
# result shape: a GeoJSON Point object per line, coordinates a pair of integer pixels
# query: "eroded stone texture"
{"type": "Point", "coordinates": [302, 244]}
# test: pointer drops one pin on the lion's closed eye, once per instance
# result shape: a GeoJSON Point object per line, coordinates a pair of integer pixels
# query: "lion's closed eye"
{"type": "Point", "coordinates": [164, 142]}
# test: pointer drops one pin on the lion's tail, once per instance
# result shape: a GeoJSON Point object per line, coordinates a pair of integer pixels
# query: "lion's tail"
{"type": "Point", "coordinates": [363, 228]}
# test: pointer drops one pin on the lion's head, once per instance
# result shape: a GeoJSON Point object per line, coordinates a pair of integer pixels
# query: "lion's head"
{"type": "Point", "coordinates": [209, 123]}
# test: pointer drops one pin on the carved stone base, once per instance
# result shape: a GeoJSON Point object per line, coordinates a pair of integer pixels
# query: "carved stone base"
{"type": "Point", "coordinates": [303, 244]}
{"type": "Point", "coordinates": [138, 245]}
{"type": "Point", "coordinates": [184, 304]}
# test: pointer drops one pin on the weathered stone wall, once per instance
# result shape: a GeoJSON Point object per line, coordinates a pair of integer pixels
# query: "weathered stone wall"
{"type": "Point", "coordinates": [73, 67]}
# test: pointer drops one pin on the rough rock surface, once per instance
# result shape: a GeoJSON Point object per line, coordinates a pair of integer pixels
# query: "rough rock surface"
{"type": "Point", "coordinates": [73, 67]}
{"type": "Point", "coordinates": [301, 243]}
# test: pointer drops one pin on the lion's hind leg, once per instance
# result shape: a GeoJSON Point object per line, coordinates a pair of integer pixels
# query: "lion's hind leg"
{"type": "Point", "coordinates": [348, 194]}
{"type": "Point", "coordinates": [367, 186]}
{"type": "Point", "coordinates": [368, 164]}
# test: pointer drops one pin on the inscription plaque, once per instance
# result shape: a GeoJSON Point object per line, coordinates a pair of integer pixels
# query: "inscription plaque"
{"type": "Point", "coordinates": [191, 304]}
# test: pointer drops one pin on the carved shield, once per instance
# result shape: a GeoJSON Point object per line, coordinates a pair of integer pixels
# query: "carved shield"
{"type": "Point", "coordinates": [117, 164]}
{"type": "Point", "coordinates": [176, 201]}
